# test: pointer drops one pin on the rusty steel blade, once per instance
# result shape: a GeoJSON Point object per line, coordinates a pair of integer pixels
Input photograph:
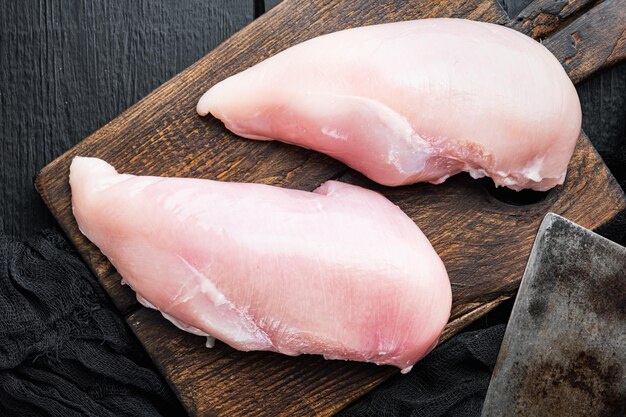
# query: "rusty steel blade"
{"type": "Point", "coordinates": [564, 350]}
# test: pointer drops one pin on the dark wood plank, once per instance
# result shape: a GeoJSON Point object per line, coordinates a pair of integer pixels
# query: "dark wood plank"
{"type": "Point", "coordinates": [70, 66]}
{"type": "Point", "coordinates": [541, 18]}
{"type": "Point", "coordinates": [603, 100]}
{"type": "Point", "coordinates": [593, 42]}
{"type": "Point", "coordinates": [270, 4]}
{"type": "Point", "coordinates": [483, 241]}
{"type": "Point", "coordinates": [514, 7]}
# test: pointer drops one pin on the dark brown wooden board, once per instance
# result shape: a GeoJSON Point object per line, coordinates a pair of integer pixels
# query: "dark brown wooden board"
{"type": "Point", "coordinates": [483, 241]}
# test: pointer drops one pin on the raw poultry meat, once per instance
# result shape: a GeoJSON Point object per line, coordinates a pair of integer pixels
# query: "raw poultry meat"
{"type": "Point", "coordinates": [414, 101]}
{"type": "Point", "coordinates": [340, 271]}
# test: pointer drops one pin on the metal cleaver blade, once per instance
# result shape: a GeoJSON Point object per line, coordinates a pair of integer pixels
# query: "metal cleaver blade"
{"type": "Point", "coordinates": [564, 349]}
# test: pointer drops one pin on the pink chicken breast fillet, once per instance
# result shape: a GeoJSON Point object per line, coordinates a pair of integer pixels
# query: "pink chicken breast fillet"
{"type": "Point", "coordinates": [414, 101]}
{"type": "Point", "coordinates": [340, 271]}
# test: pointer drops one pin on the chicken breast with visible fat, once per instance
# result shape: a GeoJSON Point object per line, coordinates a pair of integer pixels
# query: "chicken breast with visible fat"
{"type": "Point", "coordinates": [340, 271]}
{"type": "Point", "coordinates": [414, 101]}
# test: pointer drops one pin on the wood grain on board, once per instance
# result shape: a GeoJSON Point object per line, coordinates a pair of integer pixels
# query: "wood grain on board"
{"type": "Point", "coordinates": [541, 18]}
{"type": "Point", "coordinates": [483, 241]}
{"type": "Point", "coordinates": [592, 42]}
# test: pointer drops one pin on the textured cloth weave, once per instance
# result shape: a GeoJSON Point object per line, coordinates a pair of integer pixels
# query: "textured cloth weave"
{"type": "Point", "coordinates": [64, 350]}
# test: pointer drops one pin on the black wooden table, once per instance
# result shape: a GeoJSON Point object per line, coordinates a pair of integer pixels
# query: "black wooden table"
{"type": "Point", "coordinates": [69, 66]}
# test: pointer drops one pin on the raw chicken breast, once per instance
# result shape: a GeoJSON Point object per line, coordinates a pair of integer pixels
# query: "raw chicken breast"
{"type": "Point", "coordinates": [414, 101]}
{"type": "Point", "coordinates": [340, 271]}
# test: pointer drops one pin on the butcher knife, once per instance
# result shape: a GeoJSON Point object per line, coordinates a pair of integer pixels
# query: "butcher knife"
{"type": "Point", "coordinates": [564, 349]}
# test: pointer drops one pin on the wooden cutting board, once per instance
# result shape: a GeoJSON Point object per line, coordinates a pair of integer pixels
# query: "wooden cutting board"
{"type": "Point", "coordinates": [483, 240]}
